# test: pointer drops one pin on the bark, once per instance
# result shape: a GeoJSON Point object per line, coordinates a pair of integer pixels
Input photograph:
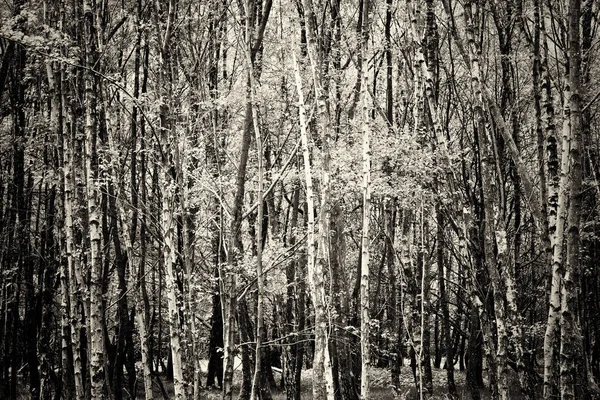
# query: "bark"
{"type": "Point", "coordinates": [169, 259]}
{"type": "Point", "coordinates": [558, 268]}
{"type": "Point", "coordinates": [301, 304]}
{"type": "Point", "coordinates": [365, 239]}
{"type": "Point", "coordinates": [323, 378]}
{"type": "Point", "coordinates": [423, 273]}
{"type": "Point", "coordinates": [557, 190]}
{"type": "Point", "coordinates": [323, 381]}
{"type": "Point", "coordinates": [74, 279]}
{"type": "Point", "coordinates": [537, 84]}
{"type": "Point", "coordinates": [168, 178]}
{"type": "Point", "coordinates": [68, 381]}
{"type": "Point", "coordinates": [569, 329]}
{"type": "Point", "coordinates": [95, 261]}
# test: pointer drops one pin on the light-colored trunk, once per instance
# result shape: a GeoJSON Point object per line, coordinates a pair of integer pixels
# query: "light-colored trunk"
{"type": "Point", "coordinates": [323, 378]}
{"type": "Point", "coordinates": [62, 140]}
{"type": "Point", "coordinates": [569, 331]}
{"type": "Point", "coordinates": [426, 75]}
{"type": "Point", "coordinates": [556, 214]}
{"type": "Point", "coordinates": [558, 205]}
{"type": "Point", "coordinates": [96, 333]}
{"type": "Point", "coordinates": [169, 258]}
{"type": "Point", "coordinates": [557, 258]}
{"type": "Point", "coordinates": [168, 224]}
{"type": "Point", "coordinates": [409, 307]}
{"type": "Point", "coordinates": [422, 356]}
{"type": "Point", "coordinates": [188, 259]}
{"type": "Point", "coordinates": [95, 267]}
{"type": "Point", "coordinates": [366, 187]}
{"type": "Point", "coordinates": [365, 240]}
{"type": "Point", "coordinates": [168, 139]}
{"type": "Point", "coordinates": [73, 267]}
{"type": "Point", "coordinates": [416, 275]}
{"type": "Point", "coordinates": [142, 326]}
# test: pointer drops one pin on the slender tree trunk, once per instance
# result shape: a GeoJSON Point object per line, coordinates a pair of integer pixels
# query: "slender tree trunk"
{"type": "Point", "coordinates": [96, 327]}
{"type": "Point", "coordinates": [323, 378]}
{"type": "Point", "coordinates": [74, 278]}
{"type": "Point", "coordinates": [570, 345]}
{"type": "Point", "coordinates": [168, 179]}
{"type": "Point", "coordinates": [366, 188]}
{"type": "Point", "coordinates": [168, 224]}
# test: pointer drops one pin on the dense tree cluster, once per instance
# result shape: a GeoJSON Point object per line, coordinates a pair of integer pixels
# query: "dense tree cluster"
{"type": "Point", "coordinates": [298, 184]}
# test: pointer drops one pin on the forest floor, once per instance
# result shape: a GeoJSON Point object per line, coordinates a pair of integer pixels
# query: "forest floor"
{"type": "Point", "coordinates": [381, 388]}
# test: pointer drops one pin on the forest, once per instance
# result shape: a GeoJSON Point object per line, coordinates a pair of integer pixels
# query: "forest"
{"type": "Point", "coordinates": [286, 199]}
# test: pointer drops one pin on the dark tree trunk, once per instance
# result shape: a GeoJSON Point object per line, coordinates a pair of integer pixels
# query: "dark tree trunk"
{"type": "Point", "coordinates": [215, 347]}
{"type": "Point", "coordinates": [475, 356]}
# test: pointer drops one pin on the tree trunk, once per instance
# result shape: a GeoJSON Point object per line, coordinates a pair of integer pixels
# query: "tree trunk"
{"type": "Point", "coordinates": [570, 345]}
{"type": "Point", "coordinates": [323, 378]}
{"type": "Point", "coordinates": [96, 327]}
{"type": "Point", "coordinates": [366, 188]}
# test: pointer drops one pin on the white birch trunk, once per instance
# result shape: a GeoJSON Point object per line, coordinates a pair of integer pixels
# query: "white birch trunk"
{"type": "Point", "coordinates": [169, 257]}
{"type": "Point", "coordinates": [169, 205]}
{"type": "Point", "coordinates": [61, 138]}
{"type": "Point", "coordinates": [365, 241]}
{"type": "Point", "coordinates": [323, 378]}
{"type": "Point", "coordinates": [557, 255]}
{"type": "Point", "coordinates": [92, 178]}
{"type": "Point", "coordinates": [570, 343]}
{"type": "Point", "coordinates": [323, 381]}
{"type": "Point", "coordinates": [95, 264]}
{"type": "Point", "coordinates": [73, 270]}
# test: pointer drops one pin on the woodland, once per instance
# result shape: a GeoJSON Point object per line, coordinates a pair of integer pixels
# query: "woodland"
{"type": "Point", "coordinates": [326, 199]}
